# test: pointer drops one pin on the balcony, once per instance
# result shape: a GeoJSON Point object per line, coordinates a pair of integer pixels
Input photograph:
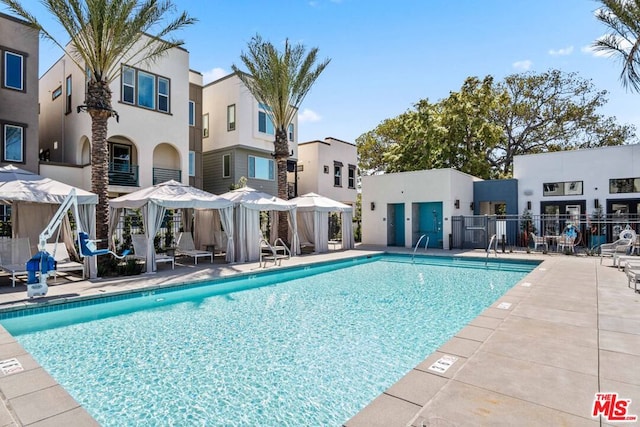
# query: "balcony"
{"type": "Point", "coordinates": [123, 174]}
{"type": "Point", "coordinates": [163, 175]}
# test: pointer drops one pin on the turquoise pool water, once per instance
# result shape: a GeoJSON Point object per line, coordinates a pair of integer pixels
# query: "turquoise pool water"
{"type": "Point", "coordinates": [309, 346]}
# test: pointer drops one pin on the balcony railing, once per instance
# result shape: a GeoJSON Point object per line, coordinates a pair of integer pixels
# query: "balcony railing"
{"type": "Point", "coordinates": [123, 174]}
{"type": "Point", "coordinates": [163, 175]}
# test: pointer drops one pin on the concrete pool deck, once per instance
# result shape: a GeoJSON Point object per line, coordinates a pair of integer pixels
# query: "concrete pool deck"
{"type": "Point", "coordinates": [571, 329]}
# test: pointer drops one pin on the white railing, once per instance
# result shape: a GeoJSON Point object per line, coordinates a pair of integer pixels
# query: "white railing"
{"type": "Point", "coordinates": [494, 242]}
{"type": "Point", "coordinates": [426, 244]}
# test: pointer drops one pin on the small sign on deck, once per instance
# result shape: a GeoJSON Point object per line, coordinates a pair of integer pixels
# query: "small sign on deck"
{"type": "Point", "coordinates": [441, 365]}
{"type": "Point", "coordinates": [10, 366]}
{"type": "Point", "coordinates": [504, 305]}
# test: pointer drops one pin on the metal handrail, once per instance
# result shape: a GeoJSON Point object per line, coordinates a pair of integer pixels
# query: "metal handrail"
{"type": "Point", "coordinates": [494, 238]}
{"type": "Point", "coordinates": [282, 244]}
{"type": "Point", "coordinates": [418, 244]}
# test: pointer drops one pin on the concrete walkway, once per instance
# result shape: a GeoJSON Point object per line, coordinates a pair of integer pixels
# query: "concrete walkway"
{"type": "Point", "coordinates": [571, 329]}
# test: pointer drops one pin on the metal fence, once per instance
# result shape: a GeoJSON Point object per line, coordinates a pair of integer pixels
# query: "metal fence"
{"type": "Point", "coordinates": [516, 231]}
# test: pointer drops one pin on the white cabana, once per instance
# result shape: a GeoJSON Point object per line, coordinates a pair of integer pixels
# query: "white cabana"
{"type": "Point", "coordinates": [34, 200]}
{"type": "Point", "coordinates": [313, 220]}
{"type": "Point", "coordinates": [154, 201]}
{"type": "Point", "coordinates": [248, 203]}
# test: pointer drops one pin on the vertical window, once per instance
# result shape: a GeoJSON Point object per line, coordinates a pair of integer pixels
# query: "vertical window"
{"type": "Point", "coordinates": [128, 85]}
{"type": "Point", "coordinates": [226, 166]}
{"type": "Point", "coordinates": [13, 71]}
{"type": "Point", "coordinates": [291, 132]}
{"type": "Point", "coordinates": [337, 174]}
{"type": "Point", "coordinates": [56, 93]}
{"type": "Point", "coordinates": [265, 125]}
{"type": "Point", "coordinates": [67, 107]}
{"type": "Point", "coordinates": [13, 143]}
{"type": "Point", "coordinates": [205, 125]}
{"type": "Point", "coordinates": [192, 113]}
{"type": "Point", "coordinates": [192, 163]}
{"type": "Point", "coordinates": [146, 90]}
{"type": "Point", "coordinates": [163, 95]}
{"type": "Point", "coordinates": [231, 117]}
{"type": "Point", "coordinates": [261, 168]}
{"type": "Point", "coordinates": [352, 176]}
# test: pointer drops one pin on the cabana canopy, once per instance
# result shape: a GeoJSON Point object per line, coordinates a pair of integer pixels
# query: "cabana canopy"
{"type": "Point", "coordinates": [248, 203]}
{"type": "Point", "coordinates": [34, 200]}
{"type": "Point", "coordinates": [154, 201]}
{"type": "Point", "coordinates": [313, 217]}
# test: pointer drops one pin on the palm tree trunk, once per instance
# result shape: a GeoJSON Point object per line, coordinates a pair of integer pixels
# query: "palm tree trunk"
{"type": "Point", "coordinates": [281, 155]}
{"type": "Point", "coordinates": [99, 108]}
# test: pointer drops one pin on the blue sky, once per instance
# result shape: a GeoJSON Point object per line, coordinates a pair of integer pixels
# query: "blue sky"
{"type": "Point", "coordinates": [385, 56]}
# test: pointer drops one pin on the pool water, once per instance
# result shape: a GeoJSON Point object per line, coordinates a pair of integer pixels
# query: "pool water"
{"type": "Point", "coordinates": [313, 350]}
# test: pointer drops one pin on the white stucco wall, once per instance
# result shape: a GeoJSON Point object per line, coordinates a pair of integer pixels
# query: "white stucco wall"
{"type": "Point", "coordinates": [594, 167]}
{"type": "Point", "coordinates": [436, 185]}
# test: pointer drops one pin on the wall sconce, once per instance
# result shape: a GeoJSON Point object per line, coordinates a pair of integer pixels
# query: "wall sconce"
{"type": "Point", "coordinates": [457, 204]}
{"type": "Point", "coordinates": [529, 205]}
{"type": "Point", "coordinates": [373, 206]}
{"type": "Point", "coordinates": [596, 203]}
{"type": "Point", "coordinates": [471, 206]}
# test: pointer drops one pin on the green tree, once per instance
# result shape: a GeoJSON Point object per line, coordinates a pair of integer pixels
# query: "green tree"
{"type": "Point", "coordinates": [622, 17]}
{"type": "Point", "coordinates": [103, 34]}
{"type": "Point", "coordinates": [280, 81]}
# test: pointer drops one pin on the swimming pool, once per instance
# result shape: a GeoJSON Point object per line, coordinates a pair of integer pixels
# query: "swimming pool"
{"type": "Point", "coordinates": [305, 345]}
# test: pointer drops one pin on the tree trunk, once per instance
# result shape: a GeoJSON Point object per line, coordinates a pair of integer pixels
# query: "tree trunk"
{"type": "Point", "coordinates": [281, 154]}
{"type": "Point", "coordinates": [99, 108]}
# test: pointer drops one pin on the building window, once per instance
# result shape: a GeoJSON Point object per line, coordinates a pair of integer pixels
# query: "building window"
{"type": "Point", "coordinates": [205, 126]}
{"type": "Point", "coordinates": [139, 88]}
{"type": "Point", "coordinates": [300, 168]}
{"type": "Point", "coordinates": [56, 93]}
{"type": "Point", "coordinates": [67, 107]}
{"type": "Point", "coordinates": [261, 168]}
{"type": "Point", "coordinates": [226, 166]}
{"type": "Point", "coordinates": [13, 71]}
{"type": "Point", "coordinates": [325, 169]}
{"type": "Point", "coordinates": [569, 188]}
{"type": "Point", "coordinates": [291, 132]}
{"type": "Point", "coordinates": [352, 176]}
{"type": "Point", "coordinates": [265, 125]}
{"type": "Point", "coordinates": [192, 163]}
{"type": "Point", "coordinates": [624, 185]}
{"type": "Point", "coordinates": [13, 147]}
{"type": "Point", "coordinates": [192, 113]}
{"type": "Point", "coordinates": [231, 117]}
{"type": "Point", "coordinates": [337, 174]}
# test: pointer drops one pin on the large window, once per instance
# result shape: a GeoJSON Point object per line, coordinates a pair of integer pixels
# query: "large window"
{"type": "Point", "coordinates": [261, 168]}
{"type": "Point", "coordinates": [569, 188]}
{"type": "Point", "coordinates": [265, 125]}
{"type": "Point", "coordinates": [231, 117]}
{"type": "Point", "coordinates": [337, 174]}
{"type": "Point", "coordinates": [226, 165]}
{"type": "Point", "coordinates": [192, 163]}
{"type": "Point", "coordinates": [13, 143]}
{"type": "Point", "coordinates": [624, 185]}
{"type": "Point", "coordinates": [192, 113]}
{"type": "Point", "coordinates": [352, 176]}
{"type": "Point", "coordinates": [291, 133]}
{"type": "Point", "coordinates": [146, 90]}
{"type": "Point", "coordinates": [68, 85]}
{"type": "Point", "coordinates": [13, 71]}
{"type": "Point", "coordinates": [205, 125]}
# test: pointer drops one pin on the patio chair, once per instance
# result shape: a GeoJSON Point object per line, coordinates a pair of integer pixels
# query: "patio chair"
{"type": "Point", "coordinates": [566, 242]}
{"type": "Point", "coordinates": [14, 254]}
{"type": "Point", "coordinates": [64, 263]}
{"type": "Point", "coordinates": [139, 242]}
{"type": "Point", "coordinates": [539, 241]}
{"type": "Point", "coordinates": [188, 248]}
{"type": "Point", "coordinates": [620, 246]}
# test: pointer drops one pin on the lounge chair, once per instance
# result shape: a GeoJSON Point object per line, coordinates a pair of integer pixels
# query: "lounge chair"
{"type": "Point", "coordinates": [64, 263]}
{"type": "Point", "coordinates": [14, 254]}
{"type": "Point", "coordinates": [632, 271]}
{"type": "Point", "coordinates": [139, 242]}
{"type": "Point", "coordinates": [620, 246]}
{"type": "Point", "coordinates": [188, 248]}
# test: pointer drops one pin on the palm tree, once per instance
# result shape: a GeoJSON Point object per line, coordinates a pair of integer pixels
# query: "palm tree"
{"type": "Point", "coordinates": [622, 17]}
{"type": "Point", "coordinates": [280, 80]}
{"type": "Point", "coordinates": [103, 33]}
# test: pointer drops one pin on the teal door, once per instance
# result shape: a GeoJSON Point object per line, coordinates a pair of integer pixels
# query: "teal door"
{"type": "Point", "coordinates": [430, 220]}
{"type": "Point", "coordinates": [395, 224]}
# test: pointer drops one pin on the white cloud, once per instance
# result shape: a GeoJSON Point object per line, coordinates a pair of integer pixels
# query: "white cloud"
{"type": "Point", "coordinates": [623, 43]}
{"type": "Point", "coordinates": [308, 116]}
{"type": "Point", "coordinates": [562, 51]}
{"type": "Point", "coordinates": [522, 65]}
{"type": "Point", "coordinates": [213, 74]}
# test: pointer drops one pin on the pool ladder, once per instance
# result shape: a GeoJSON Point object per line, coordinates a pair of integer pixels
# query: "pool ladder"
{"type": "Point", "coordinates": [426, 244]}
{"type": "Point", "coordinates": [494, 242]}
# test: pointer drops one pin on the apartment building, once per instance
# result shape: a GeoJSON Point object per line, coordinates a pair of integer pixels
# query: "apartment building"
{"type": "Point", "coordinates": [238, 140]}
{"type": "Point", "coordinates": [328, 168]}
{"type": "Point", "coordinates": [19, 44]}
{"type": "Point", "coordinates": [154, 138]}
